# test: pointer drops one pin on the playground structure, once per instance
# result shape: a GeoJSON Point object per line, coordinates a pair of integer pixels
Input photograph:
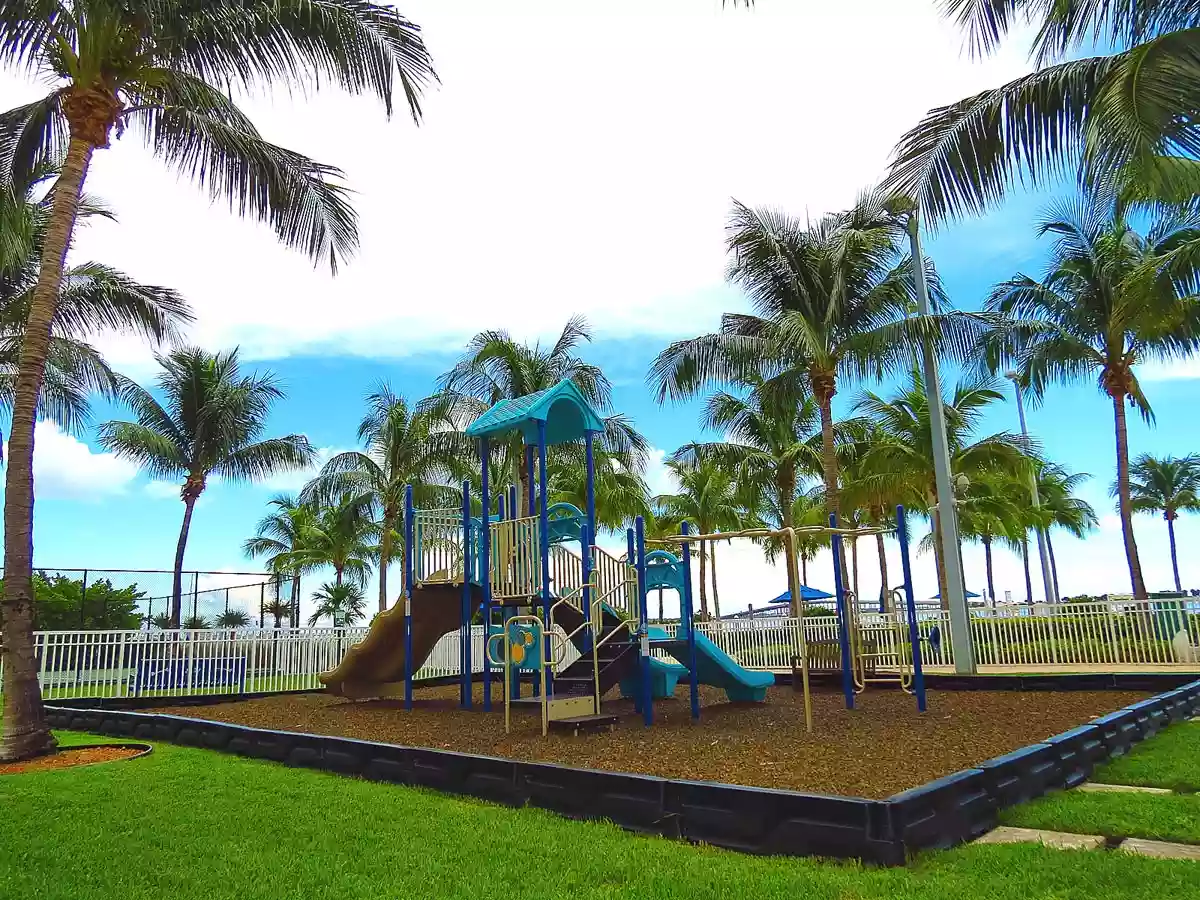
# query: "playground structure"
{"type": "Point", "coordinates": [550, 600]}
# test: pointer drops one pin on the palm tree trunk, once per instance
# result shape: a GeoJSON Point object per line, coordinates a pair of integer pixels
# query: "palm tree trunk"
{"type": "Point", "coordinates": [1174, 555]}
{"type": "Point", "coordinates": [943, 582]}
{"type": "Point", "coordinates": [189, 504]}
{"type": "Point", "coordinates": [385, 556]}
{"type": "Point", "coordinates": [703, 581]}
{"type": "Point", "coordinates": [337, 575]}
{"type": "Point", "coordinates": [829, 466]}
{"type": "Point", "coordinates": [716, 597]}
{"type": "Point", "coordinates": [991, 579]}
{"type": "Point", "coordinates": [785, 506]}
{"type": "Point", "coordinates": [803, 570]}
{"type": "Point", "coordinates": [295, 616]}
{"type": "Point", "coordinates": [854, 567]}
{"type": "Point", "coordinates": [884, 593]}
{"type": "Point", "coordinates": [1053, 566]}
{"type": "Point", "coordinates": [1125, 501]}
{"type": "Point", "coordinates": [1025, 563]}
{"type": "Point", "coordinates": [25, 731]}
{"type": "Point", "coordinates": [661, 617]}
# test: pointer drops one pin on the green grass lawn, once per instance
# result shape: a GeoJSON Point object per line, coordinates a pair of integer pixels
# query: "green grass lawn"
{"type": "Point", "coordinates": [187, 823]}
{"type": "Point", "coordinates": [1169, 760]}
{"type": "Point", "coordinates": [1165, 817]}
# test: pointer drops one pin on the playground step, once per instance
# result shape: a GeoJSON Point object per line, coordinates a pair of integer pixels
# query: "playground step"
{"type": "Point", "coordinates": [580, 724]}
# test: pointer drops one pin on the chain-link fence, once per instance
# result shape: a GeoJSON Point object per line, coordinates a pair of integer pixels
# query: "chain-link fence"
{"type": "Point", "coordinates": [116, 599]}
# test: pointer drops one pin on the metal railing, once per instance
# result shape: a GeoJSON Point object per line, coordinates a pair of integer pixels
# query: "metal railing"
{"type": "Point", "coordinates": [1112, 635]}
{"type": "Point", "coordinates": [438, 545]}
{"type": "Point", "coordinates": [516, 558]}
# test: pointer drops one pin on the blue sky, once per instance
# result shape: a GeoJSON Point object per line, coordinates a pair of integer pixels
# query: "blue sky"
{"type": "Point", "coordinates": [572, 161]}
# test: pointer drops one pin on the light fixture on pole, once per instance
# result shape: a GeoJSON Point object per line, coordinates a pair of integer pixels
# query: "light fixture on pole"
{"type": "Point", "coordinates": [956, 591]}
{"type": "Point", "coordinates": [1043, 550]}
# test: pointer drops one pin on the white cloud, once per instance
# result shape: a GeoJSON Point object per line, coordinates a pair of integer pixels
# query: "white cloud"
{"type": "Point", "coordinates": [65, 468]}
{"type": "Point", "coordinates": [1171, 371]}
{"type": "Point", "coordinates": [659, 479]}
{"type": "Point", "coordinates": [577, 158]}
{"type": "Point", "coordinates": [162, 490]}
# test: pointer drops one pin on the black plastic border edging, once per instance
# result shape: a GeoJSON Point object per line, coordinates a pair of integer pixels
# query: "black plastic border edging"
{"type": "Point", "coordinates": [939, 814]}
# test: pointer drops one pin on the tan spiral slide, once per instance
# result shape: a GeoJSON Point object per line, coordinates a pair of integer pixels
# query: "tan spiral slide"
{"type": "Point", "coordinates": [375, 667]}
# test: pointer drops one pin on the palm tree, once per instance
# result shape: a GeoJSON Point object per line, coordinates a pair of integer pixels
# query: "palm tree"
{"type": "Point", "coordinates": [906, 458]}
{"type": "Point", "coordinates": [1166, 485]}
{"type": "Point", "coordinates": [1095, 314]}
{"type": "Point", "coordinates": [870, 494]}
{"type": "Point", "coordinates": [210, 424]}
{"type": "Point", "coordinates": [402, 447]}
{"type": "Point", "coordinates": [277, 609]}
{"type": "Point", "coordinates": [831, 301]}
{"type": "Point", "coordinates": [162, 621]}
{"type": "Point", "coordinates": [167, 69]}
{"type": "Point", "coordinates": [93, 297]}
{"type": "Point", "coordinates": [989, 512]}
{"type": "Point", "coordinates": [496, 367]}
{"type": "Point", "coordinates": [707, 498]}
{"type": "Point", "coordinates": [343, 537]}
{"type": "Point", "coordinates": [621, 492]}
{"type": "Point", "coordinates": [195, 623]}
{"type": "Point", "coordinates": [773, 443]}
{"type": "Point", "coordinates": [278, 538]}
{"type": "Point", "coordinates": [1060, 508]}
{"type": "Point", "coordinates": [342, 603]}
{"type": "Point", "coordinates": [233, 619]}
{"type": "Point", "coordinates": [1131, 115]}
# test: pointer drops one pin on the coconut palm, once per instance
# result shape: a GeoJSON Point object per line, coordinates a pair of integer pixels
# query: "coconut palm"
{"type": "Point", "coordinates": [1060, 508]}
{"type": "Point", "coordinates": [905, 460]}
{"type": "Point", "coordinates": [707, 498]}
{"type": "Point", "coordinates": [278, 538]}
{"type": "Point", "coordinates": [93, 298]}
{"type": "Point", "coordinates": [195, 623]}
{"type": "Point", "coordinates": [621, 492]}
{"type": "Point", "coordinates": [343, 536]}
{"type": "Point", "coordinates": [162, 621]}
{"type": "Point", "coordinates": [830, 302]}
{"type": "Point", "coordinates": [232, 619]}
{"type": "Point", "coordinates": [773, 445]}
{"type": "Point", "coordinates": [496, 367]}
{"type": "Point", "coordinates": [210, 423]}
{"type": "Point", "coordinates": [871, 495]}
{"type": "Point", "coordinates": [1095, 314]}
{"type": "Point", "coordinates": [403, 447]}
{"type": "Point", "coordinates": [995, 508]}
{"type": "Point", "coordinates": [1168, 485]}
{"type": "Point", "coordinates": [342, 603]}
{"type": "Point", "coordinates": [1130, 115]}
{"type": "Point", "coordinates": [167, 69]}
{"type": "Point", "coordinates": [277, 609]}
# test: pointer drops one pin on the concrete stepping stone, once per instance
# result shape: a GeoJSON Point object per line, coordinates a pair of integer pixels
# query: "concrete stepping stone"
{"type": "Point", "coordinates": [1059, 839]}
{"type": "Point", "coordinates": [1160, 849]}
{"type": "Point", "coordinates": [1093, 787]}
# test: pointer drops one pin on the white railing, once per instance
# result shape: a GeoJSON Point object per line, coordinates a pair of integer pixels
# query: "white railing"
{"type": "Point", "coordinates": [1110, 635]}
{"type": "Point", "coordinates": [438, 545]}
{"type": "Point", "coordinates": [516, 559]}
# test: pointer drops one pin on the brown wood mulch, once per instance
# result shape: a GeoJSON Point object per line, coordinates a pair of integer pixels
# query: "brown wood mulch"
{"type": "Point", "coordinates": [69, 757]}
{"type": "Point", "coordinates": [881, 747]}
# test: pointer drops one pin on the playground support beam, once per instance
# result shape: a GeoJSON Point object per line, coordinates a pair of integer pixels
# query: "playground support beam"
{"type": "Point", "coordinates": [585, 545]}
{"type": "Point", "coordinates": [910, 605]}
{"type": "Point", "coordinates": [643, 626]}
{"type": "Point", "coordinates": [686, 616]}
{"type": "Point", "coordinates": [485, 568]}
{"type": "Point", "coordinates": [835, 541]}
{"type": "Point", "coordinates": [464, 629]}
{"type": "Point", "coordinates": [408, 592]}
{"type": "Point", "coordinates": [544, 548]}
{"type": "Point", "coordinates": [956, 591]}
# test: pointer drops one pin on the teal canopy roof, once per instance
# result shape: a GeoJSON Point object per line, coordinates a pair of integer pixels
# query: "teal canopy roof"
{"type": "Point", "coordinates": [564, 409]}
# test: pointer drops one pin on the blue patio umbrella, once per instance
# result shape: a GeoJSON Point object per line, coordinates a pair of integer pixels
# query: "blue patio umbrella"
{"type": "Point", "coordinates": [970, 595]}
{"type": "Point", "coordinates": [806, 594]}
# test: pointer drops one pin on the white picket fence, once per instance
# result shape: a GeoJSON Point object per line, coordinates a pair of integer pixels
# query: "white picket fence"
{"type": "Point", "coordinates": [1114, 635]}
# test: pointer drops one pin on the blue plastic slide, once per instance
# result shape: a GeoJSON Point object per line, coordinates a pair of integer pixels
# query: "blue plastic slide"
{"type": "Point", "coordinates": [664, 676]}
{"type": "Point", "coordinates": [716, 667]}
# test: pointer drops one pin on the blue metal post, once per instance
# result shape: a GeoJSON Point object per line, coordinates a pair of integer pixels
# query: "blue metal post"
{"type": "Point", "coordinates": [687, 621]}
{"type": "Point", "coordinates": [465, 626]}
{"type": "Point", "coordinates": [585, 548]}
{"type": "Point", "coordinates": [529, 507]}
{"type": "Point", "coordinates": [835, 543]}
{"type": "Point", "coordinates": [544, 541]}
{"type": "Point", "coordinates": [485, 568]}
{"type": "Point", "coordinates": [631, 559]}
{"type": "Point", "coordinates": [409, 532]}
{"type": "Point", "coordinates": [910, 603]}
{"type": "Point", "coordinates": [643, 627]}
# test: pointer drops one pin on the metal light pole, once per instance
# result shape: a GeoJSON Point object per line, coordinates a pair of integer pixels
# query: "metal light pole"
{"type": "Point", "coordinates": [956, 594]}
{"type": "Point", "coordinates": [1043, 552]}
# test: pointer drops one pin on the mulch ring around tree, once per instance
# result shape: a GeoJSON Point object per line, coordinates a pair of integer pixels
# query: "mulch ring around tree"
{"type": "Point", "coordinates": [70, 757]}
{"type": "Point", "coordinates": [881, 747]}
